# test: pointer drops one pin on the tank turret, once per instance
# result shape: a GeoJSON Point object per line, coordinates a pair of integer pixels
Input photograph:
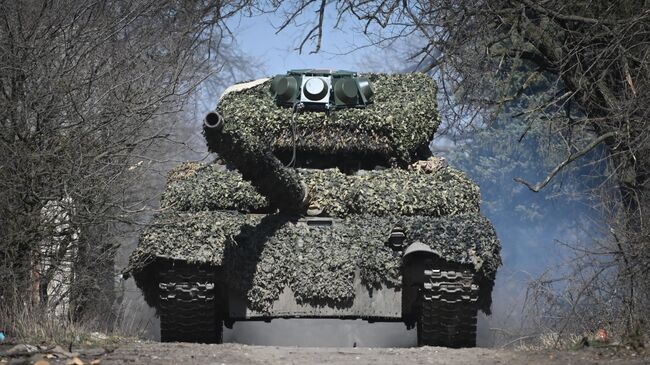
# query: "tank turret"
{"type": "Point", "coordinates": [389, 123]}
{"type": "Point", "coordinates": [246, 136]}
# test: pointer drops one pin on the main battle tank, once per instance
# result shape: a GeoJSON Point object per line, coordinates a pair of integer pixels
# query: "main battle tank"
{"type": "Point", "coordinates": [324, 201]}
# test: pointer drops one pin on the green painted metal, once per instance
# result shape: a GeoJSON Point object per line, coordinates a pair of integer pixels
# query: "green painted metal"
{"type": "Point", "coordinates": [348, 90]}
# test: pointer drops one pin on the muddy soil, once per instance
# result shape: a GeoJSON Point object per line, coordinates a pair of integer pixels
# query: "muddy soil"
{"type": "Point", "coordinates": [186, 353]}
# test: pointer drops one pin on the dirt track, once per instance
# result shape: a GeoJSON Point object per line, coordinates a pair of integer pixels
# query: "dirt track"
{"type": "Point", "coordinates": [185, 353]}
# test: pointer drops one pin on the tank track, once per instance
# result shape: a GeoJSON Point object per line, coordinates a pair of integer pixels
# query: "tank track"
{"type": "Point", "coordinates": [187, 306]}
{"type": "Point", "coordinates": [449, 306]}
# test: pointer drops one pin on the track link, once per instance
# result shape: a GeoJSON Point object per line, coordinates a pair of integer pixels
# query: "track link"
{"type": "Point", "coordinates": [449, 305]}
{"type": "Point", "coordinates": [187, 305]}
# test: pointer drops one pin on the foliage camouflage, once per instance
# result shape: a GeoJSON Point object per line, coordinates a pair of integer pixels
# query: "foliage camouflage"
{"type": "Point", "coordinates": [226, 216]}
{"type": "Point", "coordinates": [261, 254]}
{"type": "Point", "coordinates": [378, 192]}
{"type": "Point", "coordinates": [197, 187]}
{"type": "Point", "coordinates": [397, 126]}
{"type": "Point", "coordinates": [256, 163]}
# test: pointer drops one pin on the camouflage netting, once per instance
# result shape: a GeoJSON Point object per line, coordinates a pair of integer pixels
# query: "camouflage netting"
{"type": "Point", "coordinates": [261, 254]}
{"type": "Point", "coordinates": [197, 187]}
{"type": "Point", "coordinates": [213, 215]}
{"type": "Point", "coordinates": [256, 163]}
{"type": "Point", "coordinates": [398, 125]}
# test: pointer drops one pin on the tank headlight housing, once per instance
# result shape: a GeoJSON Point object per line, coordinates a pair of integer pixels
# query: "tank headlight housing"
{"type": "Point", "coordinates": [285, 89]}
{"type": "Point", "coordinates": [322, 89]}
{"type": "Point", "coordinates": [316, 89]}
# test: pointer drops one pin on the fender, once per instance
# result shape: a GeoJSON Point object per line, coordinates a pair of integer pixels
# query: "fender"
{"type": "Point", "coordinates": [414, 262]}
{"type": "Point", "coordinates": [416, 248]}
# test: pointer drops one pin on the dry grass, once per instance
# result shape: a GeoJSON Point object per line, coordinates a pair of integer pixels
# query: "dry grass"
{"type": "Point", "coordinates": [35, 324]}
{"type": "Point", "coordinates": [550, 341]}
{"type": "Point", "coordinates": [38, 325]}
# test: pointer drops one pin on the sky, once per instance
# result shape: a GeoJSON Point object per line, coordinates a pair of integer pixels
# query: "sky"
{"type": "Point", "coordinates": [256, 36]}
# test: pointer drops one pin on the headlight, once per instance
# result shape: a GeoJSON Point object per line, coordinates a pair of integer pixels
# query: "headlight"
{"type": "Point", "coordinates": [316, 89]}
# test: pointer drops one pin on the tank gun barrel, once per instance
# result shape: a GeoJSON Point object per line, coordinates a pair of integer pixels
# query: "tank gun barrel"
{"type": "Point", "coordinates": [256, 162]}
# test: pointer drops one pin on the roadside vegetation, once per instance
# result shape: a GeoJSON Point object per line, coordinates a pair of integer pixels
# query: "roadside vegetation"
{"type": "Point", "coordinates": [90, 98]}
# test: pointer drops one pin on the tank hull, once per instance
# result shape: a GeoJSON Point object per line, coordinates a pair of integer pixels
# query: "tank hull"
{"type": "Point", "coordinates": [440, 297]}
{"type": "Point", "coordinates": [324, 261]}
{"type": "Point", "coordinates": [381, 304]}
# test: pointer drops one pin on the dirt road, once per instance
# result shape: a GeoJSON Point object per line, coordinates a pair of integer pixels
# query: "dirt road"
{"type": "Point", "coordinates": [185, 353]}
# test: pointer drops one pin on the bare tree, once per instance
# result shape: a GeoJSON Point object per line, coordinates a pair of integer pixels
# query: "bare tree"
{"type": "Point", "coordinates": [86, 90]}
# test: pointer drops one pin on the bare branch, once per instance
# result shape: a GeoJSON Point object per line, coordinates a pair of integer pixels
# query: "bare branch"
{"type": "Point", "coordinates": [593, 144]}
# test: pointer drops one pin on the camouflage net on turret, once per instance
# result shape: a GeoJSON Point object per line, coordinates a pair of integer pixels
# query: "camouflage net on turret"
{"type": "Point", "coordinates": [196, 187]}
{"type": "Point", "coordinates": [262, 254]}
{"type": "Point", "coordinates": [397, 126]}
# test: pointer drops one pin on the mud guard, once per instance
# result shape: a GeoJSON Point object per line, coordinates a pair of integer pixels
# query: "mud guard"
{"type": "Point", "coordinates": [413, 263]}
{"type": "Point", "coordinates": [417, 247]}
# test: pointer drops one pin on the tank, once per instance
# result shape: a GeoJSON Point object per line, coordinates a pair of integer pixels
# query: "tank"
{"type": "Point", "coordinates": [323, 201]}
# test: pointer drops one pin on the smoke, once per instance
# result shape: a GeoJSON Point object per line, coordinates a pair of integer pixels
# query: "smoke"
{"type": "Point", "coordinates": [532, 227]}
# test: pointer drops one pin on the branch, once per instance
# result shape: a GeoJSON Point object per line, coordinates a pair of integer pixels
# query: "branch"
{"type": "Point", "coordinates": [315, 33]}
{"type": "Point", "coordinates": [293, 16]}
{"type": "Point", "coordinates": [540, 185]}
{"type": "Point", "coordinates": [569, 17]}
{"type": "Point", "coordinates": [321, 16]}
